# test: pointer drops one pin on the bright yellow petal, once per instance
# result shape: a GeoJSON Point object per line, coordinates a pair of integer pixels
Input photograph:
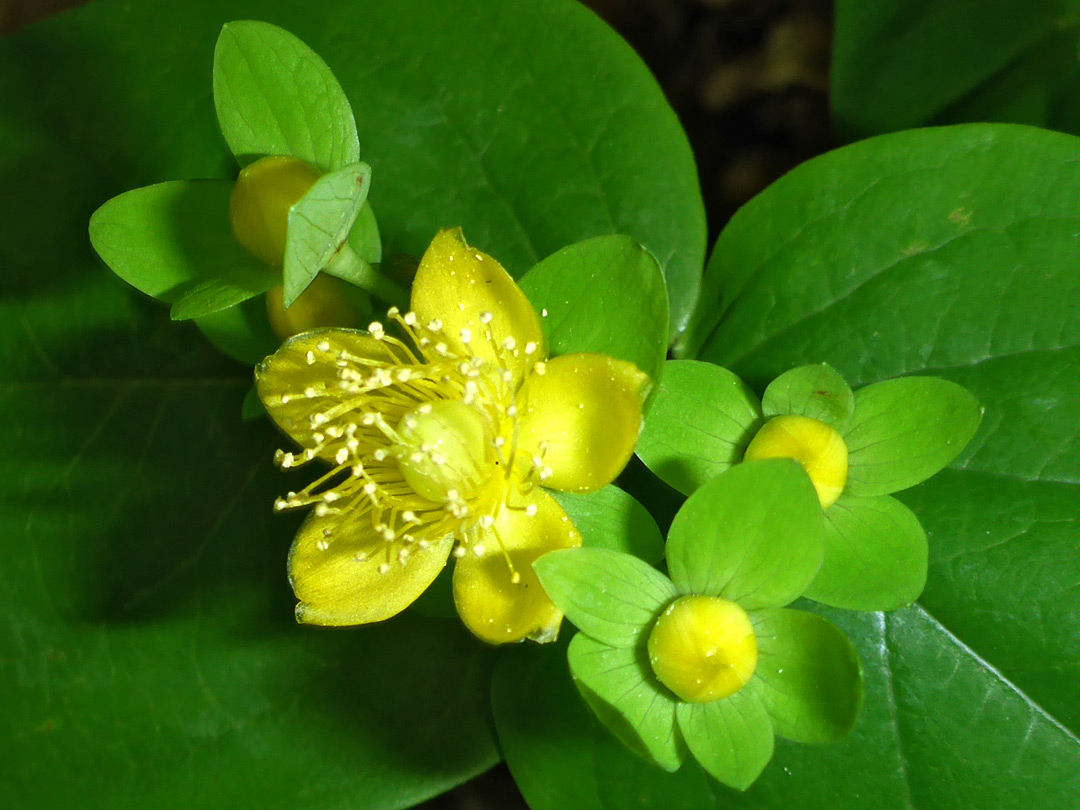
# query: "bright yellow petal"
{"type": "Point", "coordinates": [492, 605]}
{"type": "Point", "coordinates": [305, 365]}
{"type": "Point", "coordinates": [582, 416]}
{"type": "Point", "coordinates": [356, 576]}
{"type": "Point", "coordinates": [460, 287]}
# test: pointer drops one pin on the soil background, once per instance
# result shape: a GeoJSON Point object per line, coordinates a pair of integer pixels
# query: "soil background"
{"type": "Point", "coordinates": [749, 81]}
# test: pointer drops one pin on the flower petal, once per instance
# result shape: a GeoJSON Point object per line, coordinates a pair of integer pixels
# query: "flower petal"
{"type": "Point", "coordinates": [493, 607]}
{"type": "Point", "coordinates": [305, 365]}
{"type": "Point", "coordinates": [457, 285]}
{"type": "Point", "coordinates": [338, 582]}
{"type": "Point", "coordinates": [583, 417]}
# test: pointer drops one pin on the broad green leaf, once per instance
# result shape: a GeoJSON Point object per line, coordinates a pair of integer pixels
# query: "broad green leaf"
{"type": "Point", "coordinates": [875, 555]}
{"type": "Point", "coordinates": [160, 239]}
{"type": "Point", "coordinates": [319, 225]}
{"type": "Point", "coordinates": [619, 686]}
{"type": "Point", "coordinates": [906, 63]}
{"type": "Point", "coordinates": [816, 391]}
{"type": "Point", "coordinates": [612, 518]}
{"type": "Point", "coordinates": [751, 535]}
{"type": "Point", "coordinates": [546, 732]}
{"type": "Point", "coordinates": [701, 419]}
{"type": "Point", "coordinates": [835, 263]}
{"type": "Point", "coordinates": [811, 683]}
{"type": "Point", "coordinates": [611, 596]}
{"type": "Point", "coordinates": [215, 294]}
{"type": "Point", "coordinates": [275, 96]}
{"type": "Point", "coordinates": [906, 430]}
{"type": "Point", "coordinates": [604, 295]}
{"type": "Point", "coordinates": [732, 738]}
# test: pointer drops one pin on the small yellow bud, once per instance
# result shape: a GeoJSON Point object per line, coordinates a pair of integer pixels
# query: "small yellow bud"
{"type": "Point", "coordinates": [703, 648]}
{"type": "Point", "coordinates": [327, 301]}
{"type": "Point", "coordinates": [260, 203]}
{"type": "Point", "coordinates": [816, 446]}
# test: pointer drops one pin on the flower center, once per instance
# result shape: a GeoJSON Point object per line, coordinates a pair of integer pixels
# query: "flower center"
{"type": "Point", "coordinates": [444, 450]}
{"type": "Point", "coordinates": [816, 446]}
{"type": "Point", "coordinates": [703, 648]}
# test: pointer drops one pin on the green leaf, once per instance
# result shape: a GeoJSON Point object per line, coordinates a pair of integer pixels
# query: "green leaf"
{"type": "Point", "coordinates": [319, 225]}
{"type": "Point", "coordinates": [906, 63]}
{"type": "Point", "coordinates": [275, 96]}
{"type": "Point", "coordinates": [215, 294]}
{"type": "Point", "coordinates": [546, 732]}
{"type": "Point", "coordinates": [611, 596]}
{"type": "Point", "coordinates": [732, 738]}
{"type": "Point", "coordinates": [252, 408]}
{"type": "Point", "coordinates": [603, 295]}
{"type": "Point", "coordinates": [619, 686]}
{"type": "Point", "coordinates": [816, 391]}
{"type": "Point", "coordinates": [751, 535]}
{"type": "Point", "coordinates": [835, 262]}
{"type": "Point", "coordinates": [612, 518]}
{"type": "Point", "coordinates": [701, 419]}
{"type": "Point", "coordinates": [160, 239]}
{"type": "Point", "coordinates": [875, 555]}
{"type": "Point", "coordinates": [364, 237]}
{"type": "Point", "coordinates": [242, 332]}
{"type": "Point", "coordinates": [906, 430]}
{"type": "Point", "coordinates": [812, 685]}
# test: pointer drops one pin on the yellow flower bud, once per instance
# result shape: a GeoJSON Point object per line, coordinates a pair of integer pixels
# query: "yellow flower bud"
{"type": "Point", "coordinates": [816, 446]}
{"type": "Point", "coordinates": [327, 301]}
{"type": "Point", "coordinates": [260, 203]}
{"type": "Point", "coordinates": [703, 648]}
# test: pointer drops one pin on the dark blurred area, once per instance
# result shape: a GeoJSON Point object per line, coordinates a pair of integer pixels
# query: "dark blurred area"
{"type": "Point", "coordinates": [749, 81]}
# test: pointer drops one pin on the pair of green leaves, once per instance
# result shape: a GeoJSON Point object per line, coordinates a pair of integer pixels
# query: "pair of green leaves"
{"type": "Point", "coordinates": [173, 241]}
{"type": "Point", "coordinates": [898, 433]}
{"type": "Point", "coordinates": [752, 536]}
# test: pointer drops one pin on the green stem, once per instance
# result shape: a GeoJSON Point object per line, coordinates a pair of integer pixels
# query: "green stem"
{"type": "Point", "coordinates": [348, 266]}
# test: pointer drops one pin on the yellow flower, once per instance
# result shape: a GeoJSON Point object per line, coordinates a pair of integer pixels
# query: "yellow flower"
{"type": "Point", "coordinates": [442, 440]}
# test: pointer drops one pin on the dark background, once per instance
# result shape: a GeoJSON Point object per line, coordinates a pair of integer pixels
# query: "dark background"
{"type": "Point", "coordinates": [749, 81]}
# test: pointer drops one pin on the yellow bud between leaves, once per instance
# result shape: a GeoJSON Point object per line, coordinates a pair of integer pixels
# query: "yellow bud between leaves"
{"type": "Point", "coordinates": [703, 648]}
{"type": "Point", "coordinates": [816, 446]}
{"type": "Point", "coordinates": [327, 301]}
{"type": "Point", "coordinates": [260, 203]}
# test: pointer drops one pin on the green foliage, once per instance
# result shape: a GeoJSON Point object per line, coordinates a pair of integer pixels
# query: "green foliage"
{"type": "Point", "coordinates": [275, 96]}
{"type": "Point", "coordinates": [618, 684]}
{"type": "Point", "coordinates": [701, 420]}
{"type": "Point", "coordinates": [216, 294]}
{"type": "Point", "coordinates": [611, 518]}
{"type": "Point", "coordinates": [731, 738]}
{"type": "Point", "coordinates": [812, 686]}
{"type": "Point", "coordinates": [604, 295]}
{"type": "Point", "coordinates": [875, 555]}
{"type": "Point", "coordinates": [906, 63]}
{"type": "Point", "coordinates": [165, 238]}
{"type": "Point", "coordinates": [611, 596]}
{"type": "Point", "coordinates": [751, 535]}
{"type": "Point", "coordinates": [974, 283]}
{"type": "Point", "coordinates": [906, 430]}
{"type": "Point", "coordinates": [319, 225]}
{"type": "Point", "coordinates": [817, 392]}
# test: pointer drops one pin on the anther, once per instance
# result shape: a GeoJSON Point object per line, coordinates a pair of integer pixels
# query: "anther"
{"type": "Point", "coordinates": [323, 345]}
{"type": "Point", "coordinates": [530, 347]}
{"type": "Point", "coordinates": [485, 317]}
